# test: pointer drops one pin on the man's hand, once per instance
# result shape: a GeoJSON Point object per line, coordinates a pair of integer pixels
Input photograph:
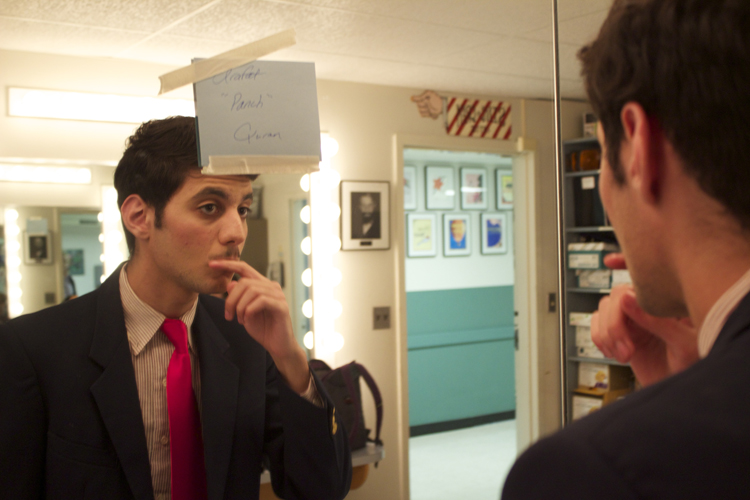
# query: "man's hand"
{"type": "Point", "coordinates": [655, 347]}
{"type": "Point", "coordinates": [261, 308]}
{"type": "Point", "coordinates": [429, 104]}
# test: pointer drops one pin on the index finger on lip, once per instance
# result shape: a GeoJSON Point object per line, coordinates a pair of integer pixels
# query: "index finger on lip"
{"type": "Point", "coordinates": [239, 267]}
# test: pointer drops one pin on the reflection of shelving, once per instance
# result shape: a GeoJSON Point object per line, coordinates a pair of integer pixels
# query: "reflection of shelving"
{"type": "Point", "coordinates": [578, 228]}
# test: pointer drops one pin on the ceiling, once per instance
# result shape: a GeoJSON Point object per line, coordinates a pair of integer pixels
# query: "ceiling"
{"type": "Point", "coordinates": [493, 47]}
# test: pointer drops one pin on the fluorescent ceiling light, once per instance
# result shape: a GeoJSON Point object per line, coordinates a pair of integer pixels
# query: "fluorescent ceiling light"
{"type": "Point", "coordinates": [66, 105]}
{"type": "Point", "coordinates": [45, 174]}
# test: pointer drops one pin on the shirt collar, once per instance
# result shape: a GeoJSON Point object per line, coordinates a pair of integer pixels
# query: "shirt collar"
{"type": "Point", "coordinates": [143, 321]}
{"type": "Point", "coordinates": [719, 313]}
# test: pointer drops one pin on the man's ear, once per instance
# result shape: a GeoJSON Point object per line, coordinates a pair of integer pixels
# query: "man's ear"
{"type": "Point", "coordinates": [137, 217]}
{"type": "Point", "coordinates": [640, 152]}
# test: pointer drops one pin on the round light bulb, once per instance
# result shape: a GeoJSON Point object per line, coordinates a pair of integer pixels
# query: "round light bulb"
{"type": "Point", "coordinates": [14, 246]}
{"type": "Point", "coordinates": [335, 277]}
{"type": "Point", "coordinates": [307, 308]}
{"type": "Point", "coordinates": [308, 340]}
{"type": "Point", "coordinates": [101, 237]}
{"type": "Point", "coordinates": [12, 230]}
{"type": "Point", "coordinates": [304, 183]}
{"type": "Point", "coordinates": [334, 342]}
{"type": "Point", "coordinates": [304, 214]}
{"type": "Point", "coordinates": [336, 308]}
{"type": "Point", "coordinates": [100, 216]}
{"type": "Point", "coordinates": [14, 262]}
{"type": "Point", "coordinates": [306, 245]}
{"type": "Point", "coordinates": [11, 215]}
{"type": "Point", "coordinates": [307, 277]}
{"type": "Point", "coordinates": [16, 309]}
{"type": "Point", "coordinates": [335, 244]}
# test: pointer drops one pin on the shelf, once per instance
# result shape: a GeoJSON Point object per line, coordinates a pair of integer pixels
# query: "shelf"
{"type": "Point", "coordinates": [583, 173]}
{"type": "Point", "coordinates": [581, 141]}
{"type": "Point", "coordinates": [600, 291]}
{"type": "Point", "coordinates": [590, 229]}
{"type": "Point", "coordinates": [605, 361]}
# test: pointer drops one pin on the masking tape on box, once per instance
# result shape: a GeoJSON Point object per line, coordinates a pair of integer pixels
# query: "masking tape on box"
{"type": "Point", "coordinates": [206, 68]}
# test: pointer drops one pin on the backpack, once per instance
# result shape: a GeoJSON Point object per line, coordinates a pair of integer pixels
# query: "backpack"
{"type": "Point", "coordinates": [342, 385]}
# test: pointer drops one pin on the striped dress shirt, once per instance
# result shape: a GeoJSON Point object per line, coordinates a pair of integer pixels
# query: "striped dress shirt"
{"type": "Point", "coordinates": [151, 350]}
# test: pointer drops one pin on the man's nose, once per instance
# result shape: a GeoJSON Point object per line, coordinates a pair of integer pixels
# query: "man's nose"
{"type": "Point", "coordinates": [233, 230]}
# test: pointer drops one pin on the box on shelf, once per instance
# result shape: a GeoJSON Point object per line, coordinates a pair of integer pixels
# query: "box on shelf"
{"type": "Point", "coordinates": [580, 318]}
{"type": "Point", "coordinates": [589, 255]}
{"type": "Point", "coordinates": [587, 205]}
{"type": "Point", "coordinates": [604, 376]}
{"type": "Point", "coordinates": [589, 124]}
{"type": "Point", "coordinates": [586, 401]}
{"type": "Point", "coordinates": [621, 277]}
{"type": "Point", "coordinates": [596, 278]}
{"type": "Point", "coordinates": [585, 347]}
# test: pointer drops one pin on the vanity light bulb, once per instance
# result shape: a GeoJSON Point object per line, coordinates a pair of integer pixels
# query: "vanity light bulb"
{"type": "Point", "coordinates": [307, 277]}
{"type": "Point", "coordinates": [304, 183]}
{"type": "Point", "coordinates": [14, 246]}
{"type": "Point", "coordinates": [335, 342]}
{"type": "Point", "coordinates": [15, 293]}
{"type": "Point", "coordinates": [16, 309]}
{"type": "Point", "coordinates": [11, 215]}
{"type": "Point", "coordinates": [335, 277]}
{"type": "Point", "coordinates": [335, 244]}
{"type": "Point", "coordinates": [14, 278]}
{"type": "Point", "coordinates": [306, 245]}
{"type": "Point", "coordinates": [102, 279]}
{"type": "Point", "coordinates": [102, 258]}
{"type": "Point", "coordinates": [12, 231]}
{"type": "Point", "coordinates": [100, 216]}
{"type": "Point", "coordinates": [336, 308]}
{"type": "Point", "coordinates": [308, 340]}
{"type": "Point", "coordinates": [304, 214]}
{"type": "Point", "coordinates": [101, 238]}
{"type": "Point", "coordinates": [14, 262]}
{"type": "Point", "coordinates": [307, 308]}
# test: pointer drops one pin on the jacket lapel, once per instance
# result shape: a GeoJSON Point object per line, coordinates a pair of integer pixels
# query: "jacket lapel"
{"type": "Point", "coordinates": [736, 325]}
{"type": "Point", "coordinates": [116, 393]}
{"type": "Point", "coordinates": [219, 391]}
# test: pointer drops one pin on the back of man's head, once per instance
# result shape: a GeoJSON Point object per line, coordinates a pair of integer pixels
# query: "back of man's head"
{"type": "Point", "coordinates": [687, 63]}
{"type": "Point", "coordinates": [158, 157]}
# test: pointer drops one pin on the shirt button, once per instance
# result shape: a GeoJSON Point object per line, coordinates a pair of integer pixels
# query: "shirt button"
{"type": "Point", "coordinates": [165, 440]}
{"type": "Point", "coordinates": [164, 381]}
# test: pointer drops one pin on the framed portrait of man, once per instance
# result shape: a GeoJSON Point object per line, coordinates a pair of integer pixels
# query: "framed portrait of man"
{"type": "Point", "coordinates": [365, 215]}
{"type": "Point", "coordinates": [456, 234]}
{"type": "Point", "coordinates": [38, 248]}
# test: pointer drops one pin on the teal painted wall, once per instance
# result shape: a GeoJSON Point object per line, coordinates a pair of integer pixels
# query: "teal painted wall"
{"type": "Point", "coordinates": [461, 353]}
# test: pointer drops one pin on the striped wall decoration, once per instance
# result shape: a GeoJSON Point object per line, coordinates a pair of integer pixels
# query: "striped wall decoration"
{"type": "Point", "coordinates": [478, 118]}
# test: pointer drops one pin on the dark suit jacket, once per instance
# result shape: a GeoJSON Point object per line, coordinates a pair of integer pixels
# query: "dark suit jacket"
{"type": "Point", "coordinates": [71, 424]}
{"type": "Point", "coordinates": [687, 437]}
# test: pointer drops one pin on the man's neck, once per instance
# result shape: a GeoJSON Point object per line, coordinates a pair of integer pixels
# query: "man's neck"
{"type": "Point", "coordinates": [163, 295]}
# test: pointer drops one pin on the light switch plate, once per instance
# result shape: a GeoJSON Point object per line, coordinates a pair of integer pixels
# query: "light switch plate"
{"type": "Point", "coordinates": [381, 318]}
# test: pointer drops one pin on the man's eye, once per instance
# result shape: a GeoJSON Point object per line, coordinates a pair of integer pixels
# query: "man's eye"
{"type": "Point", "coordinates": [209, 209]}
{"type": "Point", "coordinates": [244, 211]}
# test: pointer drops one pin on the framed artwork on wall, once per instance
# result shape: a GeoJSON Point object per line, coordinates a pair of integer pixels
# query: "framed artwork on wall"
{"type": "Point", "coordinates": [494, 233]}
{"type": "Point", "coordinates": [73, 259]}
{"type": "Point", "coordinates": [410, 188]}
{"type": "Point", "coordinates": [473, 188]}
{"type": "Point", "coordinates": [456, 234]}
{"type": "Point", "coordinates": [421, 233]}
{"type": "Point", "coordinates": [440, 191]}
{"type": "Point", "coordinates": [38, 248]}
{"type": "Point", "coordinates": [365, 216]}
{"type": "Point", "coordinates": [504, 181]}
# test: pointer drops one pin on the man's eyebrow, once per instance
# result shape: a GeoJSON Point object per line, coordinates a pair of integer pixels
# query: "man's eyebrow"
{"type": "Point", "coordinates": [219, 193]}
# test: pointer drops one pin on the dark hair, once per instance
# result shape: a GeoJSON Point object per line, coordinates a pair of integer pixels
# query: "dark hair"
{"type": "Point", "coordinates": [687, 63]}
{"type": "Point", "coordinates": [157, 159]}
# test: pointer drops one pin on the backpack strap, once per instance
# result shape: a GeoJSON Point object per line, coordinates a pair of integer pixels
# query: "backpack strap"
{"type": "Point", "coordinates": [346, 374]}
{"type": "Point", "coordinates": [378, 399]}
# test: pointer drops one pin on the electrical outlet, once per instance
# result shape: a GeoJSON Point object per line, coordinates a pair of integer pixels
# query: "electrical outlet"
{"type": "Point", "coordinates": [381, 318]}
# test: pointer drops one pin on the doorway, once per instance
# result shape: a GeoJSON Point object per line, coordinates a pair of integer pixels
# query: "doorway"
{"type": "Point", "coordinates": [460, 320]}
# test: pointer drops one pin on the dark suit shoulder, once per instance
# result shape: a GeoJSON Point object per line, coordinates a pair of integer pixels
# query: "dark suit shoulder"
{"type": "Point", "coordinates": [685, 437]}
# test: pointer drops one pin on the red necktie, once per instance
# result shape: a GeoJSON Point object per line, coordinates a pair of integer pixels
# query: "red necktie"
{"type": "Point", "coordinates": [188, 469]}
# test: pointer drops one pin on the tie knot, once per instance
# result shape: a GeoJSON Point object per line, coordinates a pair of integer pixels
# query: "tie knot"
{"type": "Point", "coordinates": [176, 332]}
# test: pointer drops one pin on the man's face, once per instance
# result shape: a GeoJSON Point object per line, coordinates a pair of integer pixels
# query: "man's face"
{"type": "Point", "coordinates": [204, 220]}
{"type": "Point", "coordinates": [639, 236]}
{"type": "Point", "coordinates": [367, 207]}
{"type": "Point", "coordinates": [457, 230]}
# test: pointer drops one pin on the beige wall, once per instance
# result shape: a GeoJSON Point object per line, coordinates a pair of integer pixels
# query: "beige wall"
{"type": "Point", "coordinates": [364, 119]}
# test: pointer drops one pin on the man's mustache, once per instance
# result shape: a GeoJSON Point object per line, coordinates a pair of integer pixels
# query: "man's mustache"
{"type": "Point", "coordinates": [231, 254]}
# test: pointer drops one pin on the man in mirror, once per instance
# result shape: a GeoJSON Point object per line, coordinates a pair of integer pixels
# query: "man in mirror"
{"type": "Point", "coordinates": [151, 388]}
{"type": "Point", "coordinates": [668, 80]}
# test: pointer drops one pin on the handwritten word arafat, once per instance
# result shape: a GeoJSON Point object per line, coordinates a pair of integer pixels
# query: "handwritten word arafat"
{"type": "Point", "coordinates": [249, 73]}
